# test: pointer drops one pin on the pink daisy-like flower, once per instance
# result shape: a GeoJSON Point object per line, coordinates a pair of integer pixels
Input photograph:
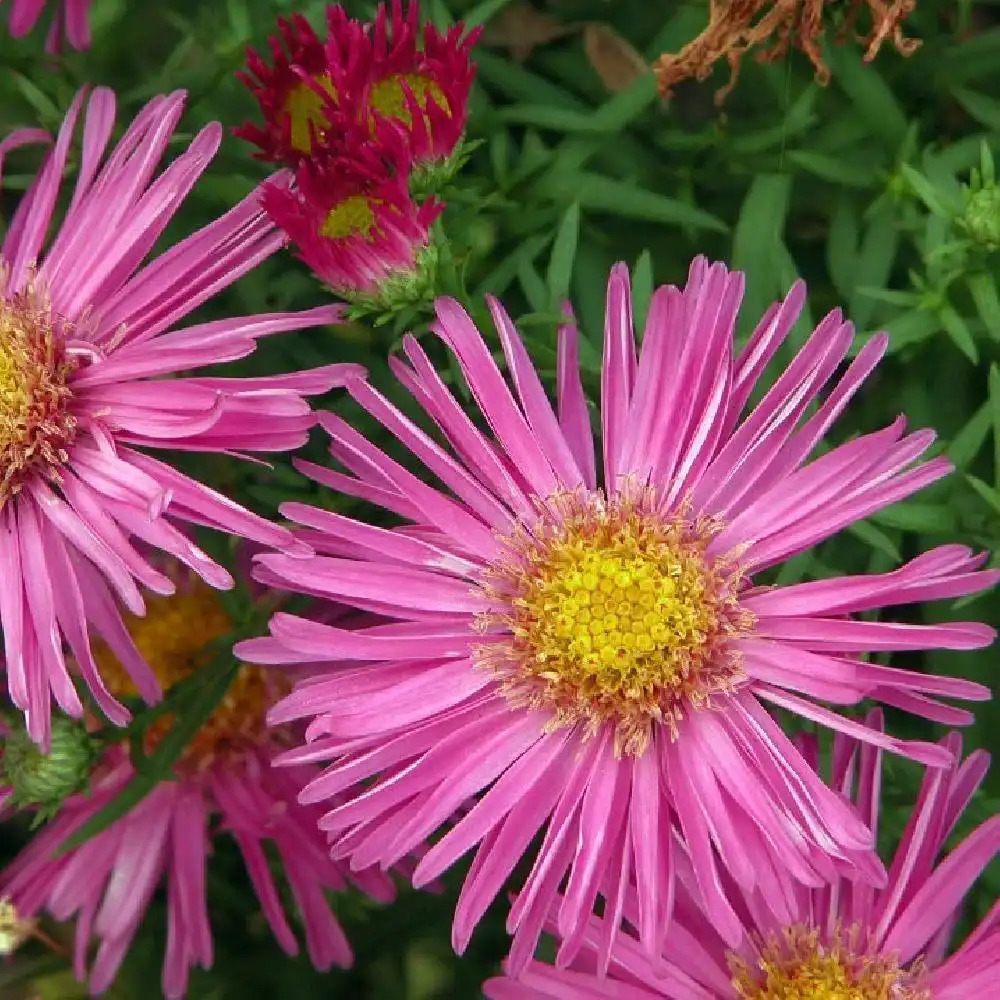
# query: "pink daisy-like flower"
{"type": "Point", "coordinates": [355, 225]}
{"type": "Point", "coordinates": [223, 786]}
{"type": "Point", "coordinates": [375, 74]}
{"type": "Point", "coordinates": [295, 92]}
{"type": "Point", "coordinates": [73, 15]}
{"type": "Point", "coordinates": [845, 941]}
{"type": "Point", "coordinates": [87, 334]}
{"type": "Point", "coordinates": [592, 661]}
{"type": "Point", "coordinates": [420, 90]}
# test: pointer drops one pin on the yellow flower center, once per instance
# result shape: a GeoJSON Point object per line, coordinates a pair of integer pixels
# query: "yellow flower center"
{"type": "Point", "coordinates": [353, 215]}
{"type": "Point", "coordinates": [799, 966]}
{"type": "Point", "coordinates": [14, 930]}
{"type": "Point", "coordinates": [613, 612]}
{"type": "Point", "coordinates": [388, 99]}
{"type": "Point", "coordinates": [306, 112]}
{"type": "Point", "coordinates": [36, 427]}
{"type": "Point", "coordinates": [179, 635]}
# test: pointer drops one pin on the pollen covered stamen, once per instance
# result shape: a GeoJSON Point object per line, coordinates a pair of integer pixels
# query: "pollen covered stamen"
{"type": "Point", "coordinates": [354, 215]}
{"type": "Point", "coordinates": [613, 612]}
{"type": "Point", "coordinates": [305, 108]}
{"type": "Point", "coordinates": [36, 427]}
{"type": "Point", "coordinates": [798, 965]}
{"type": "Point", "coordinates": [388, 98]}
{"type": "Point", "coordinates": [180, 635]}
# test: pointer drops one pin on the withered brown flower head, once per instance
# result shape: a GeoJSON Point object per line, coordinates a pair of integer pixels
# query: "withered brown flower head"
{"type": "Point", "coordinates": [735, 26]}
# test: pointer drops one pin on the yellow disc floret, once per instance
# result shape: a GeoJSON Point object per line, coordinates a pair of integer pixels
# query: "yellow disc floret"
{"type": "Point", "coordinates": [355, 215]}
{"type": "Point", "coordinates": [614, 612]}
{"type": "Point", "coordinates": [305, 108]}
{"type": "Point", "coordinates": [799, 965]}
{"type": "Point", "coordinates": [388, 98]}
{"type": "Point", "coordinates": [179, 635]}
{"type": "Point", "coordinates": [36, 425]}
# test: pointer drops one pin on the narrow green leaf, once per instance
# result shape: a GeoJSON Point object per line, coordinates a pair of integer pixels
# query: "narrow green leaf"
{"type": "Point", "coordinates": [499, 279]}
{"type": "Point", "coordinates": [923, 189]}
{"type": "Point", "coordinates": [621, 198]}
{"type": "Point", "coordinates": [842, 247]}
{"type": "Point", "coordinates": [959, 332]}
{"type": "Point", "coordinates": [966, 443]}
{"type": "Point", "coordinates": [988, 493]}
{"type": "Point", "coordinates": [832, 168]}
{"type": "Point", "coordinates": [553, 118]}
{"type": "Point", "coordinates": [874, 101]}
{"type": "Point", "coordinates": [615, 114]}
{"type": "Point", "coordinates": [874, 536]}
{"type": "Point", "coordinates": [983, 288]}
{"type": "Point", "coordinates": [911, 327]}
{"type": "Point", "coordinates": [984, 109]}
{"type": "Point", "coordinates": [911, 515]}
{"type": "Point", "coordinates": [563, 254]}
{"type": "Point", "coordinates": [994, 400]}
{"type": "Point", "coordinates": [876, 257]}
{"type": "Point", "coordinates": [521, 84]}
{"type": "Point", "coordinates": [532, 285]}
{"type": "Point", "coordinates": [483, 12]}
{"type": "Point", "coordinates": [642, 288]}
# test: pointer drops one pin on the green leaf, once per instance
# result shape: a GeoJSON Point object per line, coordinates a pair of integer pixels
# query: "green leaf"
{"type": "Point", "coordinates": [642, 288]}
{"type": "Point", "coordinates": [983, 288]}
{"type": "Point", "coordinates": [923, 189]}
{"type": "Point", "coordinates": [911, 515]}
{"type": "Point", "coordinates": [562, 257]}
{"type": "Point", "coordinates": [994, 394]}
{"type": "Point", "coordinates": [532, 285]}
{"type": "Point", "coordinates": [554, 118]}
{"type": "Point", "coordinates": [874, 536]}
{"type": "Point", "coordinates": [958, 330]}
{"type": "Point", "coordinates": [831, 168]}
{"type": "Point", "coordinates": [911, 327]}
{"type": "Point", "coordinates": [622, 109]}
{"type": "Point", "coordinates": [876, 256]}
{"type": "Point", "coordinates": [842, 247]}
{"type": "Point", "coordinates": [624, 199]}
{"type": "Point", "coordinates": [197, 698]}
{"type": "Point", "coordinates": [520, 84]}
{"type": "Point", "coordinates": [874, 101]}
{"type": "Point", "coordinates": [966, 443]}
{"type": "Point", "coordinates": [498, 280]}
{"type": "Point", "coordinates": [483, 12]}
{"type": "Point", "coordinates": [988, 493]}
{"type": "Point", "coordinates": [982, 108]}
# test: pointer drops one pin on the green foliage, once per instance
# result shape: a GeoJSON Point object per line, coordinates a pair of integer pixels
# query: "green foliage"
{"type": "Point", "coordinates": [872, 189]}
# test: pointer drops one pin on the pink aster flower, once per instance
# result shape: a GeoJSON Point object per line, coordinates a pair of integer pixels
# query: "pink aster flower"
{"type": "Point", "coordinates": [295, 91]}
{"type": "Point", "coordinates": [356, 226]}
{"type": "Point", "coordinates": [223, 786]}
{"type": "Point", "coordinates": [591, 661]}
{"type": "Point", "coordinates": [71, 15]}
{"type": "Point", "coordinates": [844, 940]}
{"type": "Point", "coordinates": [90, 344]}
{"type": "Point", "coordinates": [420, 87]}
{"type": "Point", "coordinates": [381, 72]}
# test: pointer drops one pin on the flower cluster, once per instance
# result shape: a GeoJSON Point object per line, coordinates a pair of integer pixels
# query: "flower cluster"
{"type": "Point", "coordinates": [371, 119]}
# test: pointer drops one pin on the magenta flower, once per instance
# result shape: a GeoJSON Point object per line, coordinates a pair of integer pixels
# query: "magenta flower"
{"type": "Point", "coordinates": [355, 225]}
{"type": "Point", "coordinates": [70, 15]}
{"type": "Point", "coordinates": [846, 940]}
{"type": "Point", "coordinates": [591, 662]}
{"type": "Point", "coordinates": [89, 347]}
{"type": "Point", "coordinates": [223, 786]}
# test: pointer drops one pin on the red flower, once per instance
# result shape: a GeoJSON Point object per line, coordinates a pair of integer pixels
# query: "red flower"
{"type": "Point", "coordinates": [354, 222]}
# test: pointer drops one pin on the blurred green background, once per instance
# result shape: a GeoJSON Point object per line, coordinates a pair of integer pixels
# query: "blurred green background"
{"type": "Point", "coordinates": [857, 187]}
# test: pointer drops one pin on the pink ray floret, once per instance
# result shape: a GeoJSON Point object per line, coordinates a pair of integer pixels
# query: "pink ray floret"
{"type": "Point", "coordinates": [91, 347]}
{"type": "Point", "coordinates": [512, 693]}
{"type": "Point", "coordinates": [901, 936]}
{"type": "Point", "coordinates": [222, 786]}
{"type": "Point", "coordinates": [71, 16]}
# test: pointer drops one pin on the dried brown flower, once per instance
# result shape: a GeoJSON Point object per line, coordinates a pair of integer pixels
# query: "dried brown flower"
{"type": "Point", "coordinates": [734, 26]}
